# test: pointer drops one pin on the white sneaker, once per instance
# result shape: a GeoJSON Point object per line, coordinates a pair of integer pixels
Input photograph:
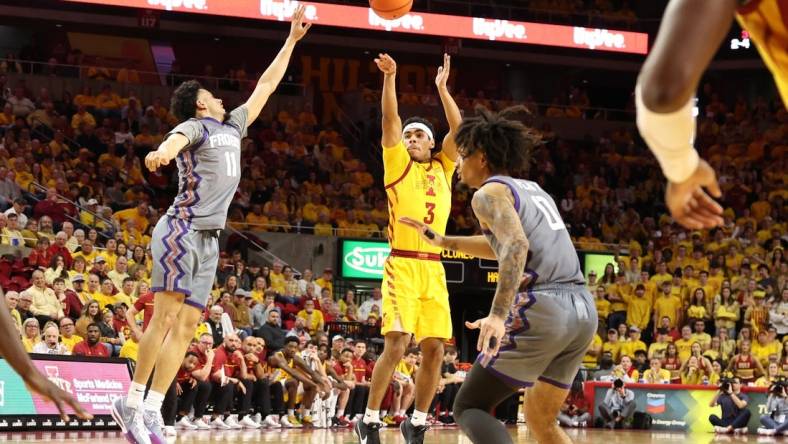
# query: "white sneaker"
{"type": "Point", "coordinates": [741, 431]}
{"type": "Point", "coordinates": [272, 422]}
{"type": "Point", "coordinates": [185, 424]}
{"type": "Point", "coordinates": [718, 429]}
{"type": "Point", "coordinates": [219, 423]}
{"type": "Point", "coordinates": [169, 431]}
{"type": "Point", "coordinates": [232, 422]}
{"type": "Point", "coordinates": [249, 423]}
{"type": "Point", "coordinates": [285, 423]}
{"type": "Point", "coordinates": [201, 424]}
{"type": "Point", "coordinates": [765, 431]}
{"type": "Point", "coordinates": [258, 419]}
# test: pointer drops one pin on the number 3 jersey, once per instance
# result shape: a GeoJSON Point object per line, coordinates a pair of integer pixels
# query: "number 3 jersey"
{"type": "Point", "coordinates": [552, 258]}
{"type": "Point", "coordinates": [420, 191]}
{"type": "Point", "coordinates": [209, 169]}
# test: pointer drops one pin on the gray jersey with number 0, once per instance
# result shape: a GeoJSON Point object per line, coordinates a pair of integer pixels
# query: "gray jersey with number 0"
{"type": "Point", "coordinates": [209, 169]}
{"type": "Point", "coordinates": [552, 258]}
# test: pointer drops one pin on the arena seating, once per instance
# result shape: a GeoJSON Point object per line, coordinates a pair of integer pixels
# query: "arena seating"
{"type": "Point", "coordinates": [70, 169]}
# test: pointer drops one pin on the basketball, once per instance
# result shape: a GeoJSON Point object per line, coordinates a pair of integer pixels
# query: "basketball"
{"type": "Point", "coordinates": [391, 9]}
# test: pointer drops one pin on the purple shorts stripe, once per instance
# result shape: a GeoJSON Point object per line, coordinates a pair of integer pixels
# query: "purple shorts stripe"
{"type": "Point", "coordinates": [554, 382]}
{"type": "Point", "coordinates": [176, 290]}
{"type": "Point", "coordinates": [184, 229]}
{"type": "Point", "coordinates": [194, 304]}
{"type": "Point", "coordinates": [512, 382]}
{"type": "Point", "coordinates": [174, 250]}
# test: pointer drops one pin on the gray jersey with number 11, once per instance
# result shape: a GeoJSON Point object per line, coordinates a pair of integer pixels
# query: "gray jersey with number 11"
{"type": "Point", "coordinates": [209, 169]}
{"type": "Point", "coordinates": [552, 258]}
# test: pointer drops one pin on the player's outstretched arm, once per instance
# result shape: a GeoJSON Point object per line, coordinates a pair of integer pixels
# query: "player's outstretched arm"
{"type": "Point", "coordinates": [450, 108]}
{"type": "Point", "coordinates": [689, 36]}
{"type": "Point", "coordinates": [166, 151]}
{"type": "Point", "coordinates": [473, 245]}
{"type": "Point", "coordinates": [276, 70]}
{"type": "Point", "coordinates": [392, 124]}
{"type": "Point", "coordinates": [493, 205]}
{"type": "Point", "coordinates": [11, 350]}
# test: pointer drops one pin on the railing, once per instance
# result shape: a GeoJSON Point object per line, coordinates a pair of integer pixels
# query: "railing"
{"type": "Point", "coordinates": [353, 330]}
{"type": "Point", "coordinates": [381, 234]}
{"type": "Point", "coordinates": [152, 77]}
{"type": "Point", "coordinates": [429, 104]}
{"type": "Point", "coordinates": [76, 220]}
{"type": "Point", "coordinates": [267, 254]}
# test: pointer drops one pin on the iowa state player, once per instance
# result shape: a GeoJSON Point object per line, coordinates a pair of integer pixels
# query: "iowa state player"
{"type": "Point", "coordinates": [690, 34]}
{"type": "Point", "coordinates": [185, 244]}
{"type": "Point", "coordinates": [415, 299]}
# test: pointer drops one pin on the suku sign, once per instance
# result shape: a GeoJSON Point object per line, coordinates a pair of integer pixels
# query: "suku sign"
{"type": "Point", "coordinates": [358, 17]}
{"type": "Point", "coordinates": [363, 259]}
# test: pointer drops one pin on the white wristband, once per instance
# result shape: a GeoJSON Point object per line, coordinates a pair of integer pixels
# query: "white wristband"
{"type": "Point", "coordinates": [670, 137]}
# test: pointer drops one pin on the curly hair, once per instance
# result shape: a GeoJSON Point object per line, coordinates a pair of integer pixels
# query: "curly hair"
{"type": "Point", "coordinates": [508, 144]}
{"type": "Point", "coordinates": [183, 104]}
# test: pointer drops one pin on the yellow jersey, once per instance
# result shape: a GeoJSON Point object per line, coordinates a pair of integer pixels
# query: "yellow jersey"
{"type": "Point", "coordinates": [590, 361]}
{"type": "Point", "coordinates": [420, 191]}
{"type": "Point", "coordinates": [765, 22]}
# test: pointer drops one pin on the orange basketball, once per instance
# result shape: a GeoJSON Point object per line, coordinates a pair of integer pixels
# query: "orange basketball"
{"type": "Point", "coordinates": [391, 9]}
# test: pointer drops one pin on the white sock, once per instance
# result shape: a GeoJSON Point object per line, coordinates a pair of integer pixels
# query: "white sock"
{"type": "Point", "coordinates": [153, 401]}
{"type": "Point", "coordinates": [371, 416]}
{"type": "Point", "coordinates": [418, 418]}
{"type": "Point", "coordinates": [290, 412]}
{"type": "Point", "coordinates": [135, 396]}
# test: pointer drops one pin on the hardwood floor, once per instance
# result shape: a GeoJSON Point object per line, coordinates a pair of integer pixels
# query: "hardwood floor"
{"type": "Point", "coordinates": [388, 436]}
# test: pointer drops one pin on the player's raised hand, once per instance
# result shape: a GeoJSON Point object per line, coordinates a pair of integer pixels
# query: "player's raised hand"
{"type": "Point", "coordinates": [491, 331]}
{"type": "Point", "coordinates": [298, 28]}
{"type": "Point", "coordinates": [427, 234]}
{"type": "Point", "coordinates": [689, 202]}
{"type": "Point", "coordinates": [156, 159]}
{"type": "Point", "coordinates": [386, 64]}
{"type": "Point", "coordinates": [443, 72]}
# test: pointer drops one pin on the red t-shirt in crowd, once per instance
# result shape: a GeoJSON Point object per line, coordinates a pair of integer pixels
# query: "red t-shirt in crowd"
{"type": "Point", "coordinates": [359, 368]}
{"type": "Point", "coordinates": [230, 363]}
{"type": "Point", "coordinates": [145, 305]}
{"type": "Point", "coordinates": [98, 350]}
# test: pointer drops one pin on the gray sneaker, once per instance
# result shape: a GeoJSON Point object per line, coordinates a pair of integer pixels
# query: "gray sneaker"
{"type": "Point", "coordinates": [155, 425]}
{"type": "Point", "coordinates": [130, 422]}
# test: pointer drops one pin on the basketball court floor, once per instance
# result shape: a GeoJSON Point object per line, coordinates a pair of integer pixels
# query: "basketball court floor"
{"type": "Point", "coordinates": [388, 436]}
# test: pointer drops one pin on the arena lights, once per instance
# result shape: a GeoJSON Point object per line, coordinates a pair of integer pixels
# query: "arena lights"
{"type": "Point", "coordinates": [357, 17]}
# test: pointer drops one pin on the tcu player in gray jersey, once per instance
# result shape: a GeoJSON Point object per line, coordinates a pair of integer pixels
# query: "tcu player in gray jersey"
{"type": "Point", "coordinates": [540, 322]}
{"type": "Point", "coordinates": [185, 244]}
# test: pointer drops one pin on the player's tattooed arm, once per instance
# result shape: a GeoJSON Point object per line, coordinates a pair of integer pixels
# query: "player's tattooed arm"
{"type": "Point", "coordinates": [494, 207]}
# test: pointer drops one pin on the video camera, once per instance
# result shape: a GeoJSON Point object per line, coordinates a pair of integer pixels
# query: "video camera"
{"type": "Point", "coordinates": [725, 385]}
{"type": "Point", "coordinates": [778, 387]}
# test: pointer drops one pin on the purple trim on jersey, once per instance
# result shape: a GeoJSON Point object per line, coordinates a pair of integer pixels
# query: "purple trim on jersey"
{"type": "Point", "coordinates": [169, 262]}
{"type": "Point", "coordinates": [511, 187]}
{"type": "Point", "coordinates": [554, 382]}
{"type": "Point", "coordinates": [211, 118]}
